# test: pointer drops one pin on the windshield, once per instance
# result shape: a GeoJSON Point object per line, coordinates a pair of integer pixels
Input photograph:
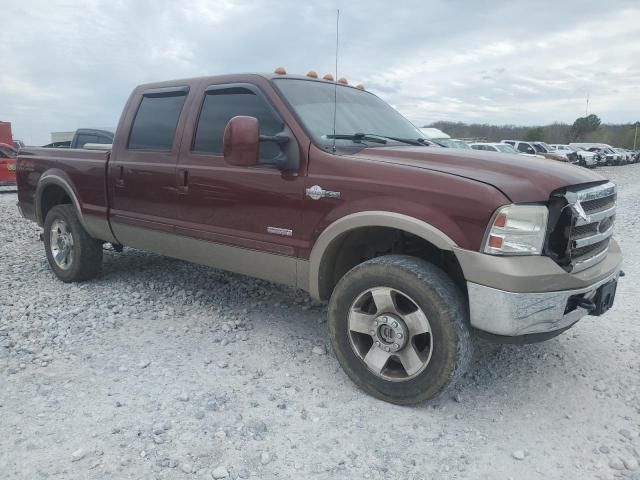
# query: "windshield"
{"type": "Point", "coordinates": [503, 147]}
{"type": "Point", "coordinates": [357, 112]}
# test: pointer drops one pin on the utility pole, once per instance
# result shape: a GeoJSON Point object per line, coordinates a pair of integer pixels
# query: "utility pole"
{"type": "Point", "coordinates": [586, 108]}
{"type": "Point", "coordinates": [635, 137]}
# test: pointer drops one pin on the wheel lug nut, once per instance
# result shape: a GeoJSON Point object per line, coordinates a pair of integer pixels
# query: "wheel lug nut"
{"type": "Point", "coordinates": [399, 335]}
{"type": "Point", "coordinates": [395, 324]}
{"type": "Point", "coordinates": [396, 346]}
{"type": "Point", "coordinates": [387, 349]}
{"type": "Point", "coordinates": [377, 344]}
{"type": "Point", "coordinates": [373, 332]}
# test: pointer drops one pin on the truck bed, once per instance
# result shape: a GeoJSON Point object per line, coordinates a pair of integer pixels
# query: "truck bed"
{"type": "Point", "coordinates": [83, 174]}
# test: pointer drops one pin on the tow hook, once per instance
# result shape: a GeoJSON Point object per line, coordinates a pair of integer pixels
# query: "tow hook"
{"type": "Point", "coordinates": [587, 304]}
{"type": "Point", "coordinates": [622, 274]}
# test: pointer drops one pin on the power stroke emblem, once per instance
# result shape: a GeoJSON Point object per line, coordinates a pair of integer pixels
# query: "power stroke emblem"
{"type": "Point", "coordinates": [317, 192]}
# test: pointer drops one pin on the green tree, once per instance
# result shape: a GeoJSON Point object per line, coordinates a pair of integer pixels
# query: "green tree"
{"type": "Point", "coordinates": [535, 134]}
{"type": "Point", "coordinates": [585, 125]}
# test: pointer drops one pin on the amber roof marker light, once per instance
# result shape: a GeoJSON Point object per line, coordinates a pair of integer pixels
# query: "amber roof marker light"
{"type": "Point", "coordinates": [312, 74]}
{"type": "Point", "coordinates": [280, 71]}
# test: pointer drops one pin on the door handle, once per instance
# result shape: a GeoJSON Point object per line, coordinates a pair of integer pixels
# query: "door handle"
{"type": "Point", "coordinates": [183, 179]}
{"type": "Point", "coordinates": [120, 179]}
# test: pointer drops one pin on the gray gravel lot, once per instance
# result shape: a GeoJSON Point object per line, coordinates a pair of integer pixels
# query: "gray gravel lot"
{"type": "Point", "coordinates": [163, 369]}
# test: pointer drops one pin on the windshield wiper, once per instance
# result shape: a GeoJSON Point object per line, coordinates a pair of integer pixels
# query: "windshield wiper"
{"type": "Point", "coordinates": [374, 137]}
{"type": "Point", "coordinates": [408, 141]}
{"type": "Point", "coordinates": [358, 137]}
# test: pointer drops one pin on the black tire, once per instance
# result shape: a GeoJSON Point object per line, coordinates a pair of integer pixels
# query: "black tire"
{"type": "Point", "coordinates": [440, 299]}
{"type": "Point", "coordinates": [86, 251]}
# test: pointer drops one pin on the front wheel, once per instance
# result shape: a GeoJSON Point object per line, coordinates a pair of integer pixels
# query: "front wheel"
{"type": "Point", "coordinates": [399, 328]}
{"type": "Point", "coordinates": [72, 253]}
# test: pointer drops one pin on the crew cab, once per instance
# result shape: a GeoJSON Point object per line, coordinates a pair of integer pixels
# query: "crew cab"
{"type": "Point", "coordinates": [324, 187]}
{"type": "Point", "coordinates": [7, 165]}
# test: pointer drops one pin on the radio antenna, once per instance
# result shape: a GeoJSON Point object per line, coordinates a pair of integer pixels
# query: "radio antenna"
{"type": "Point", "coordinates": [335, 85]}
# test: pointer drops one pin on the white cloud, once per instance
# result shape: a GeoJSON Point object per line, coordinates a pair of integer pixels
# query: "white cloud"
{"type": "Point", "coordinates": [73, 63]}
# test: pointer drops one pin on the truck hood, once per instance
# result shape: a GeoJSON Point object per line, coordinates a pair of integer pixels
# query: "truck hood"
{"type": "Point", "coordinates": [520, 178]}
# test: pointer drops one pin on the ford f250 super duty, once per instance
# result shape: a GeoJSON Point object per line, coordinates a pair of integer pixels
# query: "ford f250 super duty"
{"type": "Point", "coordinates": [417, 248]}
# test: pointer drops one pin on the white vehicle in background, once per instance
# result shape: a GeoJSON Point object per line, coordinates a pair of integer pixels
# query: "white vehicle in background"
{"type": "Point", "coordinates": [612, 157]}
{"type": "Point", "coordinates": [524, 148]}
{"type": "Point", "coordinates": [626, 158]}
{"type": "Point", "coordinates": [585, 157]}
{"type": "Point", "coordinates": [494, 147]}
{"type": "Point", "coordinates": [438, 137]}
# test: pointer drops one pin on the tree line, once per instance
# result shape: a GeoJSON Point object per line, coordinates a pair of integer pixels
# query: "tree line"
{"type": "Point", "coordinates": [584, 129]}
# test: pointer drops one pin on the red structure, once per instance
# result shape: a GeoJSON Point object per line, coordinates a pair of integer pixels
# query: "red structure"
{"type": "Point", "coordinates": [5, 133]}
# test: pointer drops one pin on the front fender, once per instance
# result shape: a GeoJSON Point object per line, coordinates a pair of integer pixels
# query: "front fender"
{"type": "Point", "coordinates": [370, 219]}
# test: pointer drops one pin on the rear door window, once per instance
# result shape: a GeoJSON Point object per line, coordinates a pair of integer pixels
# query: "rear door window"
{"type": "Point", "coordinates": [154, 126]}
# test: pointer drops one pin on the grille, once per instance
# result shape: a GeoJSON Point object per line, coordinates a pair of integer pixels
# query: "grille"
{"type": "Point", "coordinates": [584, 231]}
{"type": "Point", "coordinates": [598, 204]}
{"type": "Point", "coordinates": [583, 226]}
{"type": "Point", "coordinates": [584, 253]}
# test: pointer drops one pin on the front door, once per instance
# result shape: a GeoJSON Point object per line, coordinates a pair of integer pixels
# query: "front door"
{"type": "Point", "coordinates": [255, 209]}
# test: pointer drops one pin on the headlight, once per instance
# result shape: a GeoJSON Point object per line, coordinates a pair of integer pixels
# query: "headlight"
{"type": "Point", "coordinates": [517, 230]}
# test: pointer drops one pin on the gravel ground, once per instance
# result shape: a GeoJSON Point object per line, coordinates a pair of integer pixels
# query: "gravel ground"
{"type": "Point", "coordinates": [163, 369]}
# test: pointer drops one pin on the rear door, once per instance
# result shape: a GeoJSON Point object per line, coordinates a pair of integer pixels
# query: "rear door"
{"type": "Point", "coordinates": [142, 171]}
{"type": "Point", "coordinates": [256, 207]}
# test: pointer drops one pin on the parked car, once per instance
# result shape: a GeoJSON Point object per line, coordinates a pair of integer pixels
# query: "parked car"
{"type": "Point", "coordinates": [451, 143]}
{"type": "Point", "coordinates": [527, 148]}
{"type": "Point", "coordinates": [585, 158]}
{"type": "Point", "coordinates": [82, 136]}
{"type": "Point", "coordinates": [624, 155]}
{"type": "Point", "coordinates": [61, 144]}
{"type": "Point", "coordinates": [438, 137]}
{"type": "Point", "coordinates": [7, 164]}
{"type": "Point", "coordinates": [546, 150]}
{"type": "Point", "coordinates": [416, 248]}
{"type": "Point", "coordinates": [494, 147]}
{"type": "Point", "coordinates": [612, 157]}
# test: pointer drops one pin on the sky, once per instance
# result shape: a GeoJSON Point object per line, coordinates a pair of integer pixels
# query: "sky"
{"type": "Point", "coordinates": [72, 64]}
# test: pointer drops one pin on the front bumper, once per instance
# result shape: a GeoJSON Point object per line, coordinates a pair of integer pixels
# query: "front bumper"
{"type": "Point", "coordinates": [514, 314]}
{"type": "Point", "coordinates": [518, 296]}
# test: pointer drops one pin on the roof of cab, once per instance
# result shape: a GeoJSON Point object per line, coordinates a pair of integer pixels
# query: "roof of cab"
{"type": "Point", "coordinates": [236, 77]}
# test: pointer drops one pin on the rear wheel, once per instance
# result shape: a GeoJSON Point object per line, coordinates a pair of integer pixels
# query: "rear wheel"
{"type": "Point", "coordinates": [72, 253]}
{"type": "Point", "coordinates": [399, 328]}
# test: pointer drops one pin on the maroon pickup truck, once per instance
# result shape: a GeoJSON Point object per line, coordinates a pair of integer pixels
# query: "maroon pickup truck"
{"type": "Point", "coordinates": [417, 248]}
